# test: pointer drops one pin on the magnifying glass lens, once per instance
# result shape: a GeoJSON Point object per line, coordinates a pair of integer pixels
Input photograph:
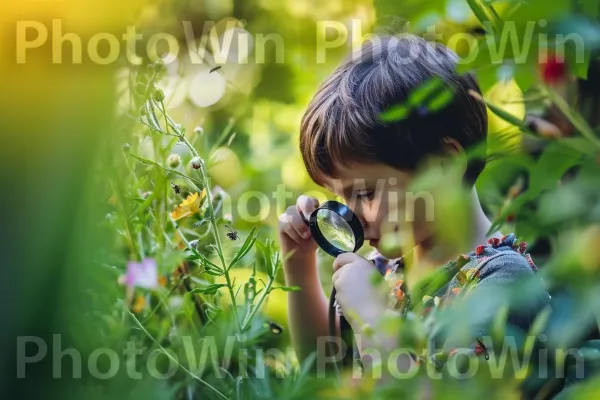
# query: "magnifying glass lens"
{"type": "Point", "coordinates": [336, 230]}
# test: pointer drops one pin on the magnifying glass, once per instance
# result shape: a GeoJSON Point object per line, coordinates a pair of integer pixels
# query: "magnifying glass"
{"type": "Point", "coordinates": [337, 230]}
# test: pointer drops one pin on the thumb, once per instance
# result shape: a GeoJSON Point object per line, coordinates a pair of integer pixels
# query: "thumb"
{"type": "Point", "coordinates": [343, 259]}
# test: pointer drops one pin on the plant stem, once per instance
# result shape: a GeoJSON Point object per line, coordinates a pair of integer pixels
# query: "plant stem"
{"type": "Point", "coordinates": [257, 306]}
{"type": "Point", "coordinates": [215, 230]}
{"type": "Point", "coordinates": [575, 118]}
{"type": "Point", "coordinates": [190, 373]}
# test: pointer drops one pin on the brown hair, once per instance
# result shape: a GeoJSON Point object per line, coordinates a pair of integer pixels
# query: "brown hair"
{"type": "Point", "coordinates": [343, 123]}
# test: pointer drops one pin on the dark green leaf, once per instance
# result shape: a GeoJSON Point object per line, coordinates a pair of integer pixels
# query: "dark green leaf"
{"type": "Point", "coordinates": [248, 243]}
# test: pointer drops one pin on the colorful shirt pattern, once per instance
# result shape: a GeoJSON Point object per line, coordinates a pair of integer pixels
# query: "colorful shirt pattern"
{"type": "Point", "coordinates": [498, 262]}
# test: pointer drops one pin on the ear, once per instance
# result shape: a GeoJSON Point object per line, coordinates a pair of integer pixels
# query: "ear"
{"type": "Point", "coordinates": [454, 153]}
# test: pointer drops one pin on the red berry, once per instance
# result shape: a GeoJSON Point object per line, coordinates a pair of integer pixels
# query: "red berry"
{"type": "Point", "coordinates": [510, 217]}
{"type": "Point", "coordinates": [479, 250]}
{"type": "Point", "coordinates": [553, 70]}
{"type": "Point", "coordinates": [494, 242]}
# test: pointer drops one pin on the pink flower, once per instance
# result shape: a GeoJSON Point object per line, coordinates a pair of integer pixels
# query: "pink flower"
{"type": "Point", "coordinates": [142, 274]}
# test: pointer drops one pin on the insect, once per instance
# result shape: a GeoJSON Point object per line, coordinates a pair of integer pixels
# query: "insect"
{"type": "Point", "coordinates": [232, 234]}
{"type": "Point", "coordinates": [274, 327]}
{"type": "Point", "coordinates": [176, 188]}
{"type": "Point", "coordinates": [214, 69]}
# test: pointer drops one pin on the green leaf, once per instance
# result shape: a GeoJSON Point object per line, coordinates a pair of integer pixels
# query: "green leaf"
{"type": "Point", "coordinates": [513, 207]}
{"type": "Point", "coordinates": [144, 160]}
{"type": "Point", "coordinates": [506, 116]}
{"type": "Point", "coordinates": [152, 120]}
{"type": "Point", "coordinates": [248, 243]}
{"type": "Point", "coordinates": [525, 76]}
{"type": "Point", "coordinates": [551, 166]}
{"type": "Point", "coordinates": [288, 288]}
{"type": "Point", "coordinates": [223, 136]}
{"type": "Point", "coordinates": [535, 10]}
{"type": "Point", "coordinates": [589, 7]}
{"type": "Point", "coordinates": [425, 90]}
{"type": "Point", "coordinates": [396, 112]}
{"type": "Point", "coordinates": [574, 117]}
{"type": "Point", "coordinates": [484, 13]}
{"type": "Point", "coordinates": [540, 322]}
{"type": "Point", "coordinates": [206, 263]}
{"type": "Point", "coordinates": [211, 289]}
{"type": "Point", "coordinates": [441, 100]}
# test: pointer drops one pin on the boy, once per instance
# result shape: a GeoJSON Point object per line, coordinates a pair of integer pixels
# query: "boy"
{"type": "Point", "coordinates": [349, 150]}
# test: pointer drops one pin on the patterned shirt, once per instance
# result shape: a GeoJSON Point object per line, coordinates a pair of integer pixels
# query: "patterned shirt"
{"type": "Point", "coordinates": [489, 269]}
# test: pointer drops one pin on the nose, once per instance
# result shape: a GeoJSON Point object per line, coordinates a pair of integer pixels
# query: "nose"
{"type": "Point", "coordinates": [368, 228]}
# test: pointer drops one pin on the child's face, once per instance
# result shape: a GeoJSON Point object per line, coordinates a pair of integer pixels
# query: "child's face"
{"type": "Point", "coordinates": [378, 195]}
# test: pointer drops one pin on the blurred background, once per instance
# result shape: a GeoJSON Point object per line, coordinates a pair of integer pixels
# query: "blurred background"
{"type": "Point", "coordinates": [91, 174]}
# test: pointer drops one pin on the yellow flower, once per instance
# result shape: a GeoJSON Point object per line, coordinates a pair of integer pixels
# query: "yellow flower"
{"type": "Point", "coordinates": [189, 206]}
{"type": "Point", "coordinates": [140, 304]}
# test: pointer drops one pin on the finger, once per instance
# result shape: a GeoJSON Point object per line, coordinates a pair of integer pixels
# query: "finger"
{"type": "Point", "coordinates": [307, 205]}
{"type": "Point", "coordinates": [335, 280]}
{"type": "Point", "coordinates": [291, 232]}
{"type": "Point", "coordinates": [299, 226]}
{"type": "Point", "coordinates": [343, 259]}
{"type": "Point", "coordinates": [285, 225]}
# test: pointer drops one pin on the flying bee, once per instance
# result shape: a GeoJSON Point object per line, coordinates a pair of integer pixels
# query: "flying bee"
{"type": "Point", "coordinates": [274, 327]}
{"type": "Point", "coordinates": [176, 188]}
{"type": "Point", "coordinates": [232, 234]}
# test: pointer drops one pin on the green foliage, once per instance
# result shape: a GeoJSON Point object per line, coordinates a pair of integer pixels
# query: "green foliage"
{"type": "Point", "coordinates": [220, 272]}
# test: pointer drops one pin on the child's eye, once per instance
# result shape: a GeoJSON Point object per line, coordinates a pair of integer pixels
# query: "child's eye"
{"type": "Point", "coordinates": [367, 195]}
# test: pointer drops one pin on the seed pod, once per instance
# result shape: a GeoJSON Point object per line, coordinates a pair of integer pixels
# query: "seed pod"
{"type": "Point", "coordinates": [158, 95]}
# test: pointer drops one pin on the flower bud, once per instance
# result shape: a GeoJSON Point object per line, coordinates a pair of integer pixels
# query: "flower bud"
{"type": "Point", "coordinates": [158, 95]}
{"type": "Point", "coordinates": [174, 160]}
{"type": "Point", "coordinates": [196, 162]}
{"type": "Point", "coordinates": [126, 147]}
{"type": "Point", "coordinates": [198, 130]}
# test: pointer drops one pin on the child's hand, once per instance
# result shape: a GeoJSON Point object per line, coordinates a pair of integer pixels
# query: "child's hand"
{"type": "Point", "coordinates": [358, 293]}
{"type": "Point", "coordinates": [294, 233]}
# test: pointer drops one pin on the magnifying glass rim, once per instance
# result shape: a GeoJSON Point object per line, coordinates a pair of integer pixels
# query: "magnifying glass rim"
{"type": "Point", "coordinates": [348, 216]}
